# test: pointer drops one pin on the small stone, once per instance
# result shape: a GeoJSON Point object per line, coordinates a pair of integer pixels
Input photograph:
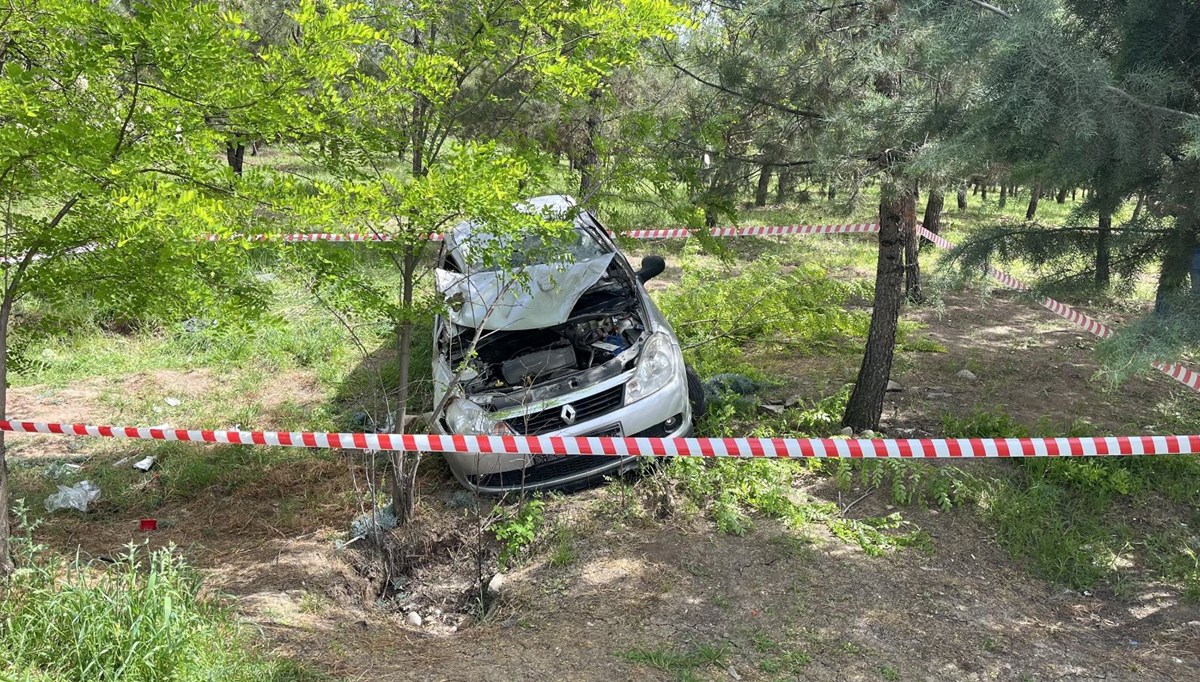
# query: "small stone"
{"type": "Point", "coordinates": [966, 374]}
{"type": "Point", "coordinates": [414, 619]}
{"type": "Point", "coordinates": [848, 431]}
{"type": "Point", "coordinates": [867, 433]}
{"type": "Point", "coordinates": [496, 584]}
{"type": "Point", "coordinates": [893, 387]}
{"type": "Point", "coordinates": [793, 401]}
{"type": "Point", "coordinates": [174, 402]}
{"type": "Point", "coordinates": [769, 408]}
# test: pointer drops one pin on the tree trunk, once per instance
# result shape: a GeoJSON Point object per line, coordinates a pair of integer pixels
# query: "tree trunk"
{"type": "Point", "coordinates": [1102, 248]}
{"type": "Point", "coordinates": [764, 184]}
{"type": "Point", "coordinates": [1176, 265]}
{"type": "Point", "coordinates": [1137, 208]}
{"type": "Point", "coordinates": [1061, 197]}
{"type": "Point", "coordinates": [1072, 194]}
{"type": "Point", "coordinates": [591, 160]}
{"type": "Point", "coordinates": [1003, 195]}
{"type": "Point", "coordinates": [831, 192]}
{"type": "Point", "coordinates": [783, 189]}
{"type": "Point", "coordinates": [933, 213]}
{"type": "Point", "coordinates": [912, 247]}
{"type": "Point", "coordinates": [1034, 195]}
{"type": "Point", "coordinates": [6, 562]}
{"type": "Point", "coordinates": [235, 153]}
{"type": "Point", "coordinates": [866, 401]}
{"type": "Point", "coordinates": [404, 464]}
{"type": "Point", "coordinates": [962, 197]}
{"type": "Point", "coordinates": [983, 193]}
{"type": "Point", "coordinates": [975, 188]}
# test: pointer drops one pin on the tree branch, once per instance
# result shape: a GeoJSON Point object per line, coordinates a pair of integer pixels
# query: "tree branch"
{"type": "Point", "coordinates": [737, 93]}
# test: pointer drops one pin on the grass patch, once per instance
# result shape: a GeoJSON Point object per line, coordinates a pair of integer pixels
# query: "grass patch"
{"type": "Point", "coordinates": [682, 661]}
{"type": "Point", "coordinates": [140, 619]}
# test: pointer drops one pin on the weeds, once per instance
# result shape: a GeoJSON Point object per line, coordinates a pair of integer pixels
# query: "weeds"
{"type": "Point", "coordinates": [516, 531]}
{"type": "Point", "coordinates": [141, 618]}
{"type": "Point", "coordinates": [681, 661]}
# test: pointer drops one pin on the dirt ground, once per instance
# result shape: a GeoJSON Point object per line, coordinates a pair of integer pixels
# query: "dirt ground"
{"type": "Point", "coordinates": [642, 598]}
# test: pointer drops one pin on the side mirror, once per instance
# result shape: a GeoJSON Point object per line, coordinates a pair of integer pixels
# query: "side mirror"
{"type": "Point", "coordinates": [652, 266]}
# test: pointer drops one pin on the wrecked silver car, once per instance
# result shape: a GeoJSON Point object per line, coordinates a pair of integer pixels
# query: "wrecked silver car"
{"type": "Point", "coordinates": [578, 350]}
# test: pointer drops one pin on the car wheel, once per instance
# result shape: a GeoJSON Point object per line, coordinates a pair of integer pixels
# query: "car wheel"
{"type": "Point", "coordinates": [696, 397]}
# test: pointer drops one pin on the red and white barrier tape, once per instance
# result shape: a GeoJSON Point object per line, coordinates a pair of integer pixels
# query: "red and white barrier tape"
{"type": "Point", "coordinates": [1182, 374]}
{"type": "Point", "coordinates": [665, 233]}
{"type": "Point", "coordinates": [782, 448]}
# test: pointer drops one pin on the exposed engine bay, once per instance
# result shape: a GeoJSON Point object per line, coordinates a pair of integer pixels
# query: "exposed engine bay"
{"type": "Point", "coordinates": [517, 367]}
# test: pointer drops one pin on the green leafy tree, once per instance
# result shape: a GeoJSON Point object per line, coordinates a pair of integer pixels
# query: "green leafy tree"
{"type": "Point", "coordinates": [420, 85]}
{"type": "Point", "coordinates": [109, 165]}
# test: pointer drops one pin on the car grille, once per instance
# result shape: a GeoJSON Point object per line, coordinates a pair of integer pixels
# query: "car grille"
{"type": "Point", "coordinates": [546, 468]}
{"type": "Point", "coordinates": [548, 421]}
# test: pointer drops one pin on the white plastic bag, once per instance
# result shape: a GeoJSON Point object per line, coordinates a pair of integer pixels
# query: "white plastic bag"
{"type": "Point", "coordinates": [78, 496]}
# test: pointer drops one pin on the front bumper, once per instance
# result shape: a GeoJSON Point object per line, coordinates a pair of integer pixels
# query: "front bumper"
{"type": "Point", "coordinates": [664, 414]}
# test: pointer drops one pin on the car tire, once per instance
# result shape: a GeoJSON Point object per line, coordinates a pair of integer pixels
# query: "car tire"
{"type": "Point", "coordinates": [696, 396]}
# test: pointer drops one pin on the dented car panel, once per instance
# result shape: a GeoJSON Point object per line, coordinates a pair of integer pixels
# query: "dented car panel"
{"type": "Point", "coordinates": [608, 366]}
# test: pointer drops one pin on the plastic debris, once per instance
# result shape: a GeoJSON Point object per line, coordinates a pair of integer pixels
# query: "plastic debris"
{"type": "Point", "coordinates": [730, 383]}
{"type": "Point", "coordinates": [368, 525]}
{"type": "Point", "coordinates": [60, 469]}
{"type": "Point", "coordinates": [78, 496]}
{"type": "Point", "coordinates": [144, 464]}
{"type": "Point", "coordinates": [147, 525]}
{"type": "Point", "coordinates": [174, 402]}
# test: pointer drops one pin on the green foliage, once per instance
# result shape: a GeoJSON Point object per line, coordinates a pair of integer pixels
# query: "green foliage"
{"type": "Point", "coordinates": [517, 531]}
{"type": "Point", "coordinates": [870, 535]}
{"type": "Point", "coordinates": [717, 313]}
{"type": "Point", "coordinates": [141, 618]}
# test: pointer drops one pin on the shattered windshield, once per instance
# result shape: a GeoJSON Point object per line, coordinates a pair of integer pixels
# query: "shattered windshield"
{"type": "Point", "coordinates": [470, 243]}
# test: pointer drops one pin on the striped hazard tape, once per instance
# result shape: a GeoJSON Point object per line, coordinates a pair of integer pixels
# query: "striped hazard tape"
{"type": "Point", "coordinates": [777, 448]}
{"type": "Point", "coordinates": [1182, 374]}
{"type": "Point", "coordinates": [660, 233]}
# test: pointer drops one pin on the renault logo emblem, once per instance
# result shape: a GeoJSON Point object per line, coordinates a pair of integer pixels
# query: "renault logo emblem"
{"type": "Point", "coordinates": [567, 414]}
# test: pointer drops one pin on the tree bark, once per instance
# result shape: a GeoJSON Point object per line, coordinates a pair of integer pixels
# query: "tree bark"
{"type": "Point", "coordinates": [1003, 195]}
{"type": "Point", "coordinates": [235, 154]}
{"type": "Point", "coordinates": [1176, 265]}
{"type": "Point", "coordinates": [6, 562]}
{"type": "Point", "coordinates": [1034, 194]}
{"type": "Point", "coordinates": [591, 159]}
{"type": "Point", "coordinates": [764, 185]}
{"type": "Point", "coordinates": [783, 189]}
{"type": "Point", "coordinates": [933, 211]}
{"type": "Point", "coordinates": [404, 464]}
{"type": "Point", "coordinates": [866, 401]}
{"type": "Point", "coordinates": [1103, 237]}
{"type": "Point", "coordinates": [983, 193]}
{"type": "Point", "coordinates": [1137, 208]}
{"type": "Point", "coordinates": [962, 197]}
{"type": "Point", "coordinates": [1061, 197]}
{"type": "Point", "coordinates": [912, 248]}
{"type": "Point", "coordinates": [1072, 194]}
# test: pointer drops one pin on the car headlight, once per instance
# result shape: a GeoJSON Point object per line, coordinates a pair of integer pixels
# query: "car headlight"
{"type": "Point", "coordinates": [658, 364]}
{"type": "Point", "coordinates": [466, 418]}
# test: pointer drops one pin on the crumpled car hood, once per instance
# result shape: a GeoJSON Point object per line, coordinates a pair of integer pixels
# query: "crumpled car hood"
{"type": "Point", "coordinates": [545, 300]}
